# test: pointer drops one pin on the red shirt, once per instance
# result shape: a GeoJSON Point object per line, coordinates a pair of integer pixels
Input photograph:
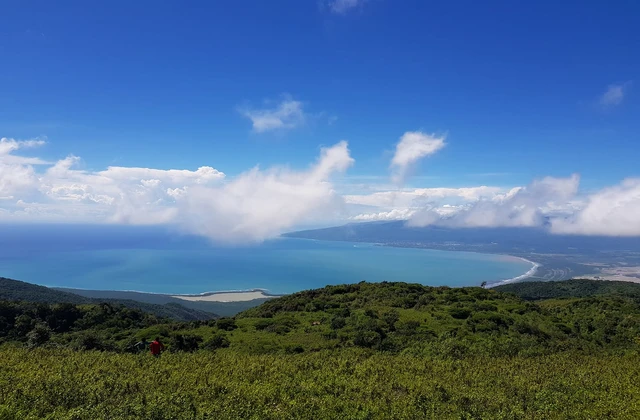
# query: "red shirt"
{"type": "Point", "coordinates": [156, 347]}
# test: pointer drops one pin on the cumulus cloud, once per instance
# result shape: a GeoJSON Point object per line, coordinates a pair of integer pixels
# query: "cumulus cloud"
{"type": "Point", "coordinates": [342, 7]}
{"type": "Point", "coordinates": [253, 206]}
{"type": "Point", "coordinates": [7, 146]}
{"type": "Point", "coordinates": [288, 114]}
{"type": "Point", "coordinates": [16, 172]}
{"type": "Point", "coordinates": [261, 204]}
{"type": "Point", "coordinates": [552, 203]}
{"type": "Point", "coordinates": [612, 211]}
{"type": "Point", "coordinates": [520, 206]}
{"type": "Point", "coordinates": [395, 214]}
{"type": "Point", "coordinates": [416, 196]}
{"type": "Point", "coordinates": [614, 95]}
{"type": "Point", "coordinates": [412, 147]}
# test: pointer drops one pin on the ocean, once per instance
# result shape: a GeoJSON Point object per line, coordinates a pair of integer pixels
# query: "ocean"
{"type": "Point", "coordinates": [162, 261]}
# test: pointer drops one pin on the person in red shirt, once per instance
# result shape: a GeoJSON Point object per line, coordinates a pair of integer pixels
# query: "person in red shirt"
{"type": "Point", "coordinates": [156, 347]}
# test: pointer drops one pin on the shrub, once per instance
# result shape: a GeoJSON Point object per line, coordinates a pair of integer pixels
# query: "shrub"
{"type": "Point", "coordinates": [460, 313]}
{"type": "Point", "coordinates": [367, 339]}
{"type": "Point", "coordinates": [218, 341]}
{"type": "Point", "coordinates": [226, 324]}
{"type": "Point", "coordinates": [38, 336]}
{"type": "Point", "coordinates": [338, 322]}
{"type": "Point", "coordinates": [187, 343]}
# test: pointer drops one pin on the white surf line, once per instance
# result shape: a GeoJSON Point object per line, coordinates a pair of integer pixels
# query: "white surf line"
{"type": "Point", "coordinates": [528, 274]}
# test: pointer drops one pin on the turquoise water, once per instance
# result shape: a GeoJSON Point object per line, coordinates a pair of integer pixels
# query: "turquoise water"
{"type": "Point", "coordinates": [162, 264]}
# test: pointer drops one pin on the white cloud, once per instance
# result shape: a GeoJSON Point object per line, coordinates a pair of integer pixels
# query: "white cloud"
{"type": "Point", "coordinates": [255, 205]}
{"type": "Point", "coordinates": [614, 95]}
{"type": "Point", "coordinates": [435, 212]}
{"type": "Point", "coordinates": [612, 211]}
{"type": "Point", "coordinates": [288, 114]}
{"type": "Point", "coordinates": [341, 7]}
{"type": "Point", "coordinates": [262, 203]}
{"type": "Point", "coordinates": [520, 206]}
{"type": "Point", "coordinates": [395, 214]}
{"type": "Point", "coordinates": [413, 146]}
{"type": "Point", "coordinates": [548, 202]}
{"type": "Point", "coordinates": [414, 197]}
{"type": "Point", "coordinates": [10, 145]}
{"type": "Point", "coordinates": [16, 173]}
{"type": "Point", "coordinates": [7, 146]}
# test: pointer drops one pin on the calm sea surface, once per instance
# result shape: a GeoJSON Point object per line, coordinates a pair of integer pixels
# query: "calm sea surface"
{"type": "Point", "coordinates": [153, 260]}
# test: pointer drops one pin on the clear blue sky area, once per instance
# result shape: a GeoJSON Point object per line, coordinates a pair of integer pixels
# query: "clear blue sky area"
{"type": "Point", "coordinates": [518, 87]}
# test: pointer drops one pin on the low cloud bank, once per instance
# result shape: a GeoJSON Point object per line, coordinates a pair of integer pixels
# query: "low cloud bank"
{"type": "Point", "coordinates": [256, 205]}
{"type": "Point", "coordinates": [263, 203]}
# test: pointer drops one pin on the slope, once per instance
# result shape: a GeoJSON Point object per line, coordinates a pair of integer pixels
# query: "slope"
{"type": "Point", "coordinates": [15, 290]}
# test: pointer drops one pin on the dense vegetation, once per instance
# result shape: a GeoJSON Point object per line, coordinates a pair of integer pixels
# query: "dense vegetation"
{"type": "Point", "coordinates": [82, 327]}
{"type": "Point", "coordinates": [14, 290]}
{"type": "Point", "coordinates": [570, 289]}
{"type": "Point", "coordinates": [346, 384]}
{"type": "Point", "coordinates": [440, 321]}
{"type": "Point", "coordinates": [385, 350]}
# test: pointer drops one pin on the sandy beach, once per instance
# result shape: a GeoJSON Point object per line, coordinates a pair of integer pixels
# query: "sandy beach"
{"type": "Point", "coordinates": [226, 296]}
{"type": "Point", "coordinates": [619, 273]}
{"type": "Point", "coordinates": [532, 271]}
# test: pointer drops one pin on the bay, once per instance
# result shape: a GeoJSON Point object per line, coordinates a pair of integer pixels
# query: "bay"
{"type": "Point", "coordinates": [162, 261]}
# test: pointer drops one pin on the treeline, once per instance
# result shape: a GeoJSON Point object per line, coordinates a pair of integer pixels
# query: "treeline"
{"type": "Point", "coordinates": [82, 327]}
{"type": "Point", "coordinates": [104, 326]}
{"type": "Point", "coordinates": [575, 288]}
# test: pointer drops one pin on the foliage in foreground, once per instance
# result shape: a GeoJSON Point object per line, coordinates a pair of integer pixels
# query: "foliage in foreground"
{"type": "Point", "coordinates": [388, 317]}
{"type": "Point", "coordinates": [345, 384]}
{"type": "Point", "coordinates": [362, 351]}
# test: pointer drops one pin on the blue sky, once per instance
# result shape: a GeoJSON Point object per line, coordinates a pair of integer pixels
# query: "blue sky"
{"type": "Point", "coordinates": [520, 90]}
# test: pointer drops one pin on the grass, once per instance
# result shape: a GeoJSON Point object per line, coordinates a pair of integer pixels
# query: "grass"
{"type": "Point", "coordinates": [346, 384]}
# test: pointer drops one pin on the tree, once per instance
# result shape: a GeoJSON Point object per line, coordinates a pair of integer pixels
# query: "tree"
{"type": "Point", "coordinates": [38, 336]}
{"type": "Point", "coordinates": [483, 284]}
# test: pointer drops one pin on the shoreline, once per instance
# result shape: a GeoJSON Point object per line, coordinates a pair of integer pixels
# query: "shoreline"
{"type": "Point", "coordinates": [247, 295]}
{"type": "Point", "coordinates": [532, 271]}
{"type": "Point", "coordinates": [227, 296]}
{"type": "Point", "coordinates": [221, 296]}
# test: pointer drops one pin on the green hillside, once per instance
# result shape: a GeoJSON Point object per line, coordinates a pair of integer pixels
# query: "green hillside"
{"type": "Point", "coordinates": [220, 308]}
{"type": "Point", "coordinates": [360, 351]}
{"type": "Point", "coordinates": [14, 290]}
{"type": "Point", "coordinates": [570, 288]}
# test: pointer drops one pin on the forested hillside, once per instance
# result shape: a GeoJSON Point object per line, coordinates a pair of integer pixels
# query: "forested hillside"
{"type": "Point", "coordinates": [14, 290]}
{"type": "Point", "coordinates": [570, 289]}
{"type": "Point", "coordinates": [366, 350]}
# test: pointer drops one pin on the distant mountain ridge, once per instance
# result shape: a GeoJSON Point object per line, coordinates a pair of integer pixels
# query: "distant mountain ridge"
{"type": "Point", "coordinates": [499, 239]}
{"type": "Point", "coordinates": [559, 257]}
{"type": "Point", "coordinates": [15, 290]}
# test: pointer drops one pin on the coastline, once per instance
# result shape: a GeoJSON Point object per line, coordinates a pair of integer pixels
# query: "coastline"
{"type": "Point", "coordinates": [614, 277]}
{"type": "Point", "coordinates": [532, 271]}
{"type": "Point", "coordinates": [247, 295]}
{"type": "Point", "coordinates": [221, 296]}
{"type": "Point", "coordinates": [227, 296]}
